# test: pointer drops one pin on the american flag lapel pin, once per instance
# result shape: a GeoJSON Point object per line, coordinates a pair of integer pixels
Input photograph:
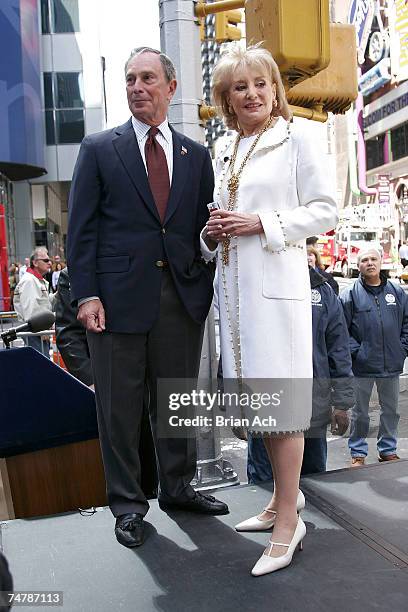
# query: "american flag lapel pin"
{"type": "Point", "coordinates": [183, 151]}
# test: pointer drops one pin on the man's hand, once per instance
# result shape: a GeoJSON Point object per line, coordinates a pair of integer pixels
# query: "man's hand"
{"type": "Point", "coordinates": [92, 316]}
{"type": "Point", "coordinates": [339, 422]}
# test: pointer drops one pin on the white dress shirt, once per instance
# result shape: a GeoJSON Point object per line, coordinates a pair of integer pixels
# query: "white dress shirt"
{"type": "Point", "coordinates": [164, 138]}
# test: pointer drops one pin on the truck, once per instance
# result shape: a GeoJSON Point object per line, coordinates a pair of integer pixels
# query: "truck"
{"type": "Point", "coordinates": [350, 240]}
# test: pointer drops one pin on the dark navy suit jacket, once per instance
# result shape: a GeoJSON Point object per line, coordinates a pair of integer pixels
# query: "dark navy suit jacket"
{"type": "Point", "coordinates": [115, 236]}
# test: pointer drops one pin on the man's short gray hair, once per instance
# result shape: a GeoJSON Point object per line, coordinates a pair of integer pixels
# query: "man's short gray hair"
{"type": "Point", "coordinates": [365, 252]}
{"type": "Point", "coordinates": [36, 254]}
{"type": "Point", "coordinates": [168, 66]}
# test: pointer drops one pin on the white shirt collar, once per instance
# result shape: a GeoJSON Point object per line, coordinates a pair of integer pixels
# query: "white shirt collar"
{"type": "Point", "coordinates": [141, 129]}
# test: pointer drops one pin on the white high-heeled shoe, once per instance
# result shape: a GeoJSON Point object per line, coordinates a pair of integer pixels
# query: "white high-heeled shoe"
{"type": "Point", "coordinates": [256, 524]}
{"type": "Point", "coordinates": [267, 564]}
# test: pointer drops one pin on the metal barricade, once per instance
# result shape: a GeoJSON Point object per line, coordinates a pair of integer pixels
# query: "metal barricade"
{"type": "Point", "coordinates": [8, 319]}
{"type": "Point", "coordinates": [24, 337]}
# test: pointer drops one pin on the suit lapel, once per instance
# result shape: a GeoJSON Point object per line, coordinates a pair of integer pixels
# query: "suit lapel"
{"type": "Point", "coordinates": [181, 164]}
{"type": "Point", "coordinates": [127, 148]}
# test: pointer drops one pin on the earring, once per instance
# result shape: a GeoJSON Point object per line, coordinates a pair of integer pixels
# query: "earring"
{"type": "Point", "coordinates": [230, 109]}
{"type": "Point", "coordinates": [275, 103]}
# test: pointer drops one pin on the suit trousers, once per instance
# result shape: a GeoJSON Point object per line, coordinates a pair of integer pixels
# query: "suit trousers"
{"type": "Point", "coordinates": [121, 364]}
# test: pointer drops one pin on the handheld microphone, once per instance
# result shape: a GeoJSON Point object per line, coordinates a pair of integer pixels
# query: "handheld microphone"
{"type": "Point", "coordinates": [38, 322]}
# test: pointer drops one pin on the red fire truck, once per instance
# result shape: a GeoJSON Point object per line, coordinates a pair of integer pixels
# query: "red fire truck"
{"type": "Point", "coordinates": [339, 249]}
{"type": "Point", "coordinates": [326, 245]}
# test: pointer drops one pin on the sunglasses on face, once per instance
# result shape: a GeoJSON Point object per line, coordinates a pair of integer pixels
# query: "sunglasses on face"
{"type": "Point", "coordinates": [44, 260]}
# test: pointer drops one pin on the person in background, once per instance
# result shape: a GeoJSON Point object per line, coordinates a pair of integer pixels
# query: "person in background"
{"type": "Point", "coordinates": [376, 312]}
{"type": "Point", "coordinates": [333, 389]}
{"type": "Point", "coordinates": [403, 254]}
{"type": "Point", "coordinates": [23, 269]}
{"type": "Point", "coordinates": [32, 296]}
{"type": "Point", "coordinates": [57, 267]}
{"type": "Point", "coordinates": [312, 241]}
{"type": "Point", "coordinates": [12, 280]}
{"type": "Point", "coordinates": [73, 346]}
{"type": "Point", "coordinates": [315, 261]}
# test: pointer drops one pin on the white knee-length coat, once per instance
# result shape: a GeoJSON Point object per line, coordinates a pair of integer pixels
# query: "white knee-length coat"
{"type": "Point", "coordinates": [288, 183]}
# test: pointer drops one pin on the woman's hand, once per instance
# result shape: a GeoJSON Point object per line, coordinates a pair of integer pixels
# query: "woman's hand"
{"type": "Point", "coordinates": [223, 224]}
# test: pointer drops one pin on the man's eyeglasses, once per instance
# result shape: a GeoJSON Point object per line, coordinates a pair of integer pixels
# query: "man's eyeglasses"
{"type": "Point", "coordinates": [44, 260]}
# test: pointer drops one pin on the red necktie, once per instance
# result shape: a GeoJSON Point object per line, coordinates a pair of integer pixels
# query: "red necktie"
{"type": "Point", "coordinates": [157, 172]}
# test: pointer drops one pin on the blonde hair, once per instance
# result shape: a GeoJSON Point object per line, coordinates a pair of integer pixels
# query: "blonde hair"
{"type": "Point", "coordinates": [316, 253]}
{"type": "Point", "coordinates": [252, 57]}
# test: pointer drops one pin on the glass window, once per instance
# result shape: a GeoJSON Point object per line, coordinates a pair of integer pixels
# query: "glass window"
{"type": "Point", "coordinates": [68, 90]}
{"type": "Point", "coordinates": [49, 127]}
{"type": "Point", "coordinates": [375, 151]}
{"type": "Point", "coordinates": [365, 236]}
{"type": "Point", "coordinates": [399, 144]}
{"type": "Point", "coordinates": [65, 16]}
{"type": "Point", "coordinates": [48, 95]}
{"type": "Point", "coordinates": [45, 17]}
{"type": "Point", "coordinates": [70, 126]}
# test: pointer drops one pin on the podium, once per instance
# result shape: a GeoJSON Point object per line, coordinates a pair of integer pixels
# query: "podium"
{"type": "Point", "coordinates": [50, 460]}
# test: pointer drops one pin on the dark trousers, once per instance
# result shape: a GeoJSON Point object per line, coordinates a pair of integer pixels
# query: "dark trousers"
{"type": "Point", "coordinates": [121, 363]}
{"type": "Point", "coordinates": [259, 467]}
{"type": "Point", "coordinates": [42, 346]}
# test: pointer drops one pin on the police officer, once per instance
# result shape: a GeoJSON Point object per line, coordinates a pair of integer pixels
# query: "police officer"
{"type": "Point", "coordinates": [376, 312]}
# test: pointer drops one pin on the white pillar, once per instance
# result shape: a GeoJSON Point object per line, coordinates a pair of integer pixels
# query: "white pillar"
{"type": "Point", "coordinates": [180, 40]}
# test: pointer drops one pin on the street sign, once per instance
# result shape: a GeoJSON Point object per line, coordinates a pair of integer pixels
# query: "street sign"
{"type": "Point", "coordinates": [383, 189]}
{"type": "Point", "coordinates": [375, 78]}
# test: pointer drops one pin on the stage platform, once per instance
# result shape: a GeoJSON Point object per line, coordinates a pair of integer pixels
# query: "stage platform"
{"type": "Point", "coordinates": [355, 553]}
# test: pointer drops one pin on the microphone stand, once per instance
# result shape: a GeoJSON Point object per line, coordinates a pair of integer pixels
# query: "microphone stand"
{"type": "Point", "coordinates": [8, 337]}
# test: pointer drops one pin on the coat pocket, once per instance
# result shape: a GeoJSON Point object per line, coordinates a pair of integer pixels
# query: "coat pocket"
{"type": "Point", "coordinates": [116, 263]}
{"type": "Point", "coordinates": [285, 275]}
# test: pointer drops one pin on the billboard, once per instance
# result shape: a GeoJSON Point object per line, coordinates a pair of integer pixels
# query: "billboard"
{"type": "Point", "coordinates": [21, 119]}
{"type": "Point", "coordinates": [361, 15]}
{"type": "Point", "coordinates": [398, 20]}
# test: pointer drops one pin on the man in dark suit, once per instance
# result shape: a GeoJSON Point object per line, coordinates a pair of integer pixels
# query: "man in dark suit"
{"type": "Point", "coordinates": [72, 343]}
{"type": "Point", "coordinates": [138, 202]}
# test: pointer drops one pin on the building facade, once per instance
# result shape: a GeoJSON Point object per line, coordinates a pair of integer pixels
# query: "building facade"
{"type": "Point", "coordinates": [378, 163]}
{"type": "Point", "coordinates": [72, 104]}
{"type": "Point", "coordinates": [51, 96]}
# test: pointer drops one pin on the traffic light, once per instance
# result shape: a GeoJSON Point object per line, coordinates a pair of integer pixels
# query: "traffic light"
{"type": "Point", "coordinates": [334, 88]}
{"type": "Point", "coordinates": [296, 32]}
{"type": "Point", "coordinates": [226, 26]}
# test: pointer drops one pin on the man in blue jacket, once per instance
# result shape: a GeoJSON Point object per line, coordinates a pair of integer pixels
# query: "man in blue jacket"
{"type": "Point", "coordinates": [376, 312]}
{"type": "Point", "coordinates": [333, 391]}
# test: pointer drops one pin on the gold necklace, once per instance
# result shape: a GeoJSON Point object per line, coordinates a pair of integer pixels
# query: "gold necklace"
{"type": "Point", "coordinates": [233, 181]}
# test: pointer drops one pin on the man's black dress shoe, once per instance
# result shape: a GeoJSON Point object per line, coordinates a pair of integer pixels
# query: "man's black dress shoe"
{"type": "Point", "coordinates": [129, 529]}
{"type": "Point", "coordinates": [205, 504]}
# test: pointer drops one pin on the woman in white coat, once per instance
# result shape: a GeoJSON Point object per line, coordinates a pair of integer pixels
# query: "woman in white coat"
{"type": "Point", "coordinates": [272, 191]}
